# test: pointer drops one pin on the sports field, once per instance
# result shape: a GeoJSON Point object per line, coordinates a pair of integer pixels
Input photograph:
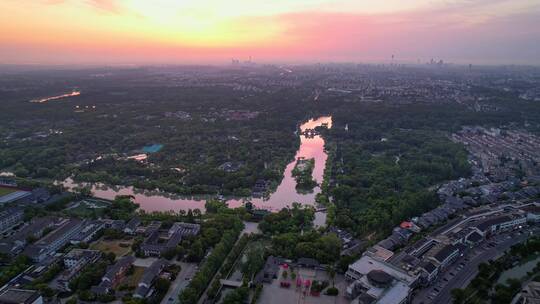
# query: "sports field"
{"type": "Point", "coordinates": [5, 191]}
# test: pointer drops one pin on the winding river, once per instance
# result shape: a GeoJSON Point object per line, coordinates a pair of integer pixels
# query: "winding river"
{"type": "Point", "coordinates": [285, 194]}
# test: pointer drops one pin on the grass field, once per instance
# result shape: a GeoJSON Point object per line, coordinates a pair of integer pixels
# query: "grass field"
{"type": "Point", "coordinates": [112, 246]}
{"type": "Point", "coordinates": [6, 191]}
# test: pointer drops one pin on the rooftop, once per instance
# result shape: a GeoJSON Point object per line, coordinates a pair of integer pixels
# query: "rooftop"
{"type": "Point", "coordinates": [380, 277]}
{"type": "Point", "coordinates": [18, 296]}
{"type": "Point", "coordinates": [59, 233]}
{"type": "Point", "coordinates": [366, 264]}
{"type": "Point", "coordinates": [151, 272]}
{"type": "Point", "coordinates": [13, 196]}
{"type": "Point", "coordinates": [483, 226]}
{"type": "Point", "coordinates": [445, 252]}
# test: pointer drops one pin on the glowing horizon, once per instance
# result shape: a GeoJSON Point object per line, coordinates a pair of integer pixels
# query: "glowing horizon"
{"type": "Point", "coordinates": [168, 31]}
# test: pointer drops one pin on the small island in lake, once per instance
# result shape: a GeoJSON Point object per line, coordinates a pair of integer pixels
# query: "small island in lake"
{"type": "Point", "coordinates": [303, 174]}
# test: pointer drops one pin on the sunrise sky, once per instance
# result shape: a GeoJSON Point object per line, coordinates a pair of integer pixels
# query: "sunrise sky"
{"type": "Point", "coordinates": [212, 31]}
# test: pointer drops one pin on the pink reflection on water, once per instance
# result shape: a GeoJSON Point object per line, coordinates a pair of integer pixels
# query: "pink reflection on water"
{"type": "Point", "coordinates": [284, 195]}
{"type": "Point", "coordinates": [43, 100]}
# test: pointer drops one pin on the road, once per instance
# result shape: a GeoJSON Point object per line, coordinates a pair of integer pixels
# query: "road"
{"type": "Point", "coordinates": [249, 228]}
{"type": "Point", "coordinates": [182, 280]}
{"type": "Point", "coordinates": [469, 269]}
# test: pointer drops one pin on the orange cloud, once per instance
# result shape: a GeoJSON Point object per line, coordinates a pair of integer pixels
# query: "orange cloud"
{"type": "Point", "coordinates": [74, 33]}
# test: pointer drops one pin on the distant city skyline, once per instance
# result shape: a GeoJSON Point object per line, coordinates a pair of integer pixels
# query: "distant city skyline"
{"type": "Point", "coordinates": [300, 31]}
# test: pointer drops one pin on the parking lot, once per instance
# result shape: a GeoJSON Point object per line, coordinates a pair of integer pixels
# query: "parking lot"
{"type": "Point", "coordinates": [459, 274]}
{"type": "Point", "coordinates": [274, 293]}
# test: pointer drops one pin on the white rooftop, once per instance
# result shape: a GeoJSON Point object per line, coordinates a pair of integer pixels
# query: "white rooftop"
{"type": "Point", "coordinates": [366, 264]}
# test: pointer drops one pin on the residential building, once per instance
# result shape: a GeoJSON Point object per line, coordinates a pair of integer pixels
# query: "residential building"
{"type": "Point", "coordinates": [114, 275]}
{"type": "Point", "coordinates": [379, 253]}
{"type": "Point", "coordinates": [77, 257]}
{"type": "Point", "coordinates": [10, 217]}
{"type": "Point", "coordinates": [376, 281]}
{"type": "Point", "coordinates": [149, 276]}
{"type": "Point", "coordinates": [88, 232]}
{"type": "Point", "coordinates": [159, 242]}
{"type": "Point", "coordinates": [501, 223]}
{"type": "Point", "coordinates": [429, 270]}
{"type": "Point", "coordinates": [74, 261]}
{"type": "Point", "coordinates": [474, 238]}
{"type": "Point", "coordinates": [270, 270]}
{"type": "Point", "coordinates": [55, 240]}
{"type": "Point", "coordinates": [114, 224]}
{"type": "Point", "coordinates": [533, 213]}
{"type": "Point", "coordinates": [185, 229]}
{"type": "Point", "coordinates": [131, 226]}
{"type": "Point", "coordinates": [444, 255]}
{"type": "Point", "coordinates": [14, 244]}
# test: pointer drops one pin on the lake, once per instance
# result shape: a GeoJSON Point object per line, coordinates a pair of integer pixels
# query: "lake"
{"type": "Point", "coordinates": [43, 100]}
{"type": "Point", "coordinates": [311, 146]}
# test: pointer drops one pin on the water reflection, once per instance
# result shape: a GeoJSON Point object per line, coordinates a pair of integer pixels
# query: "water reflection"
{"type": "Point", "coordinates": [43, 100]}
{"type": "Point", "coordinates": [285, 194]}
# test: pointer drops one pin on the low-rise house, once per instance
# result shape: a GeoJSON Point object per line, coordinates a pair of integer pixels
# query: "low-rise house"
{"type": "Point", "coordinates": [422, 222]}
{"type": "Point", "coordinates": [78, 257]}
{"type": "Point", "coordinates": [20, 296]}
{"type": "Point", "coordinates": [185, 229]}
{"type": "Point", "coordinates": [131, 226]}
{"type": "Point", "coordinates": [409, 226]}
{"type": "Point", "coordinates": [349, 244]}
{"type": "Point", "coordinates": [270, 270]}
{"type": "Point", "coordinates": [114, 275]}
{"type": "Point", "coordinates": [10, 218]}
{"type": "Point", "coordinates": [156, 245]}
{"type": "Point", "coordinates": [533, 213]}
{"type": "Point", "coordinates": [159, 242]}
{"type": "Point", "coordinates": [149, 276]}
{"type": "Point", "coordinates": [151, 228]}
{"type": "Point", "coordinates": [404, 234]}
{"type": "Point", "coordinates": [445, 255]}
{"type": "Point", "coordinates": [9, 182]}
{"type": "Point", "coordinates": [88, 232]}
{"type": "Point", "coordinates": [379, 253]}
{"type": "Point", "coordinates": [419, 248]}
{"type": "Point", "coordinates": [40, 195]}
{"type": "Point", "coordinates": [114, 224]}
{"type": "Point", "coordinates": [429, 270]}
{"type": "Point", "coordinates": [353, 247]}
{"type": "Point", "coordinates": [74, 261]}
{"type": "Point", "coordinates": [388, 244]}
{"type": "Point", "coordinates": [308, 263]}
{"type": "Point", "coordinates": [18, 241]}
{"type": "Point", "coordinates": [501, 223]}
{"type": "Point", "coordinates": [474, 238]}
